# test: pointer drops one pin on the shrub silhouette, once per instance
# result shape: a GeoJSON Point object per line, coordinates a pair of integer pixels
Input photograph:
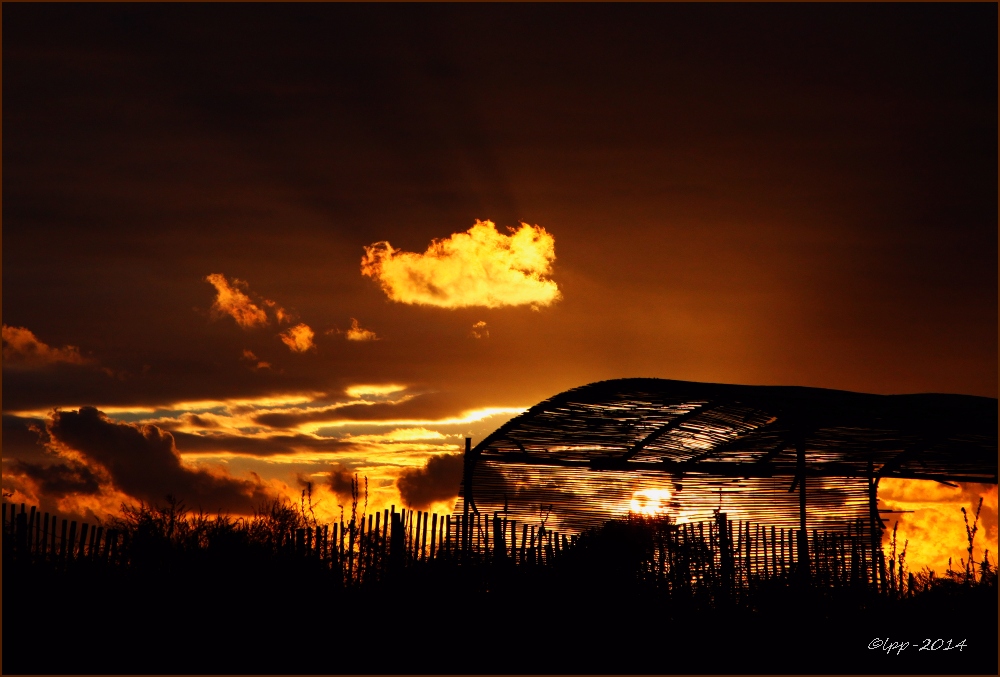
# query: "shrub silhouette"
{"type": "Point", "coordinates": [615, 597]}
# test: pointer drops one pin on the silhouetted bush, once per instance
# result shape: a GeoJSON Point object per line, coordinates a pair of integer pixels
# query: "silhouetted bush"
{"type": "Point", "coordinates": [622, 599]}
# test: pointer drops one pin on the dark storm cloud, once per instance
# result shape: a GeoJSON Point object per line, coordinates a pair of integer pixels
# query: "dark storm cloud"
{"type": "Point", "coordinates": [341, 482]}
{"type": "Point", "coordinates": [437, 481]}
{"type": "Point", "coordinates": [258, 446]}
{"type": "Point", "coordinates": [184, 420]}
{"type": "Point", "coordinates": [200, 421]}
{"type": "Point", "coordinates": [347, 487]}
{"type": "Point", "coordinates": [143, 462]}
{"type": "Point", "coordinates": [23, 438]}
{"type": "Point", "coordinates": [60, 479]}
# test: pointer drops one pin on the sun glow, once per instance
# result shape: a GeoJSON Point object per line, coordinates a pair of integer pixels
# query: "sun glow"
{"type": "Point", "coordinates": [650, 502]}
{"type": "Point", "coordinates": [931, 525]}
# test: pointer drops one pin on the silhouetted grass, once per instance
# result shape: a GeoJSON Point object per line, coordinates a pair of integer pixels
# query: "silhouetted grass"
{"type": "Point", "coordinates": [216, 594]}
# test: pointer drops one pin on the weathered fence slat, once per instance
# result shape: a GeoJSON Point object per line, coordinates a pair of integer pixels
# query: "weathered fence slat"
{"type": "Point", "coordinates": [513, 540]}
{"type": "Point", "coordinates": [434, 528]}
{"type": "Point", "coordinates": [72, 539]}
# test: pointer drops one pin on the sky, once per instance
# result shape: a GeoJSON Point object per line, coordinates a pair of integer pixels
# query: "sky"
{"type": "Point", "coordinates": [250, 248]}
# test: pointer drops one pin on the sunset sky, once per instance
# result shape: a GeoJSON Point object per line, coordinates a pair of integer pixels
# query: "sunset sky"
{"type": "Point", "coordinates": [250, 246]}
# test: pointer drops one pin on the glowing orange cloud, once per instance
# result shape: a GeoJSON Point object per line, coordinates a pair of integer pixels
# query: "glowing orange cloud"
{"type": "Point", "coordinates": [480, 267]}
{"type": "Point", "coordinates": [299, 338]}
{"type": "Point", "coordinates": [479, 330]}
{"type": "Point", "coordinates": [936, 529]}
{"type": "Point", "coordinates": [363, 389]}
{"type": "Point", "coordinates": [282, 315]}
{"type": "Point", "coordinates": [233, 302]}
{"type": "Point", "coordinates": [357, 333]}
{"type": "Point", "coordinates": [249, 356]}
{"type": "Point", "coordinates": [21, 347]}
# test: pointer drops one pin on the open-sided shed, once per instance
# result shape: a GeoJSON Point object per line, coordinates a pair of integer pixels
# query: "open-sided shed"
{"type": "Point", "coordinates": [791, 457]}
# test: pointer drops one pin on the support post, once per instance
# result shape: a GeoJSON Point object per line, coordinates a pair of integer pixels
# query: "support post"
{"type": "Point", "coordinates": [876, 524]}
{"type": "Point", "coordinates": [466, 492]}
{"type": "Point", "coordinates": [499, 547]}
{"type": "Point", "coordinates": [725, 555]}
{"type": "Point", "coordinates": [803, 540]}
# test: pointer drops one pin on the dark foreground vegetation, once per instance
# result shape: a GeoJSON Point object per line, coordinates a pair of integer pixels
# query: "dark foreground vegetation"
{"type": "Point", "coordinates": [176, 593]}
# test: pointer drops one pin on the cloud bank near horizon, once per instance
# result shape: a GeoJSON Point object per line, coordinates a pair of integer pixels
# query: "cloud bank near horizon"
{"type": "Point", "coordinates": [233, 455]}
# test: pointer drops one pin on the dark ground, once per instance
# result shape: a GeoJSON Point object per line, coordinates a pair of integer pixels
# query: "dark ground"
{"type": "Point", "coordinates": [289, 621]}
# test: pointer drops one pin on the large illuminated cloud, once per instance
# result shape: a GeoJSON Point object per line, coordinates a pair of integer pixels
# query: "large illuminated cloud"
{"type": "Point", "coordinates": [22, 348]}
{"type": "Point", "coordinates": [481, 267]}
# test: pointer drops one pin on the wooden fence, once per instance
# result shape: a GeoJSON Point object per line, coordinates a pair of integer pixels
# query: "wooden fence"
{"type": "Point", "coordinates": [33, 536]}
{"type": "Point", "coordinates": [363, 548]}
{"type": "Point", "coordinates": [724, 556]}
{"type": "Point", "coordinates": [737, 556]}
